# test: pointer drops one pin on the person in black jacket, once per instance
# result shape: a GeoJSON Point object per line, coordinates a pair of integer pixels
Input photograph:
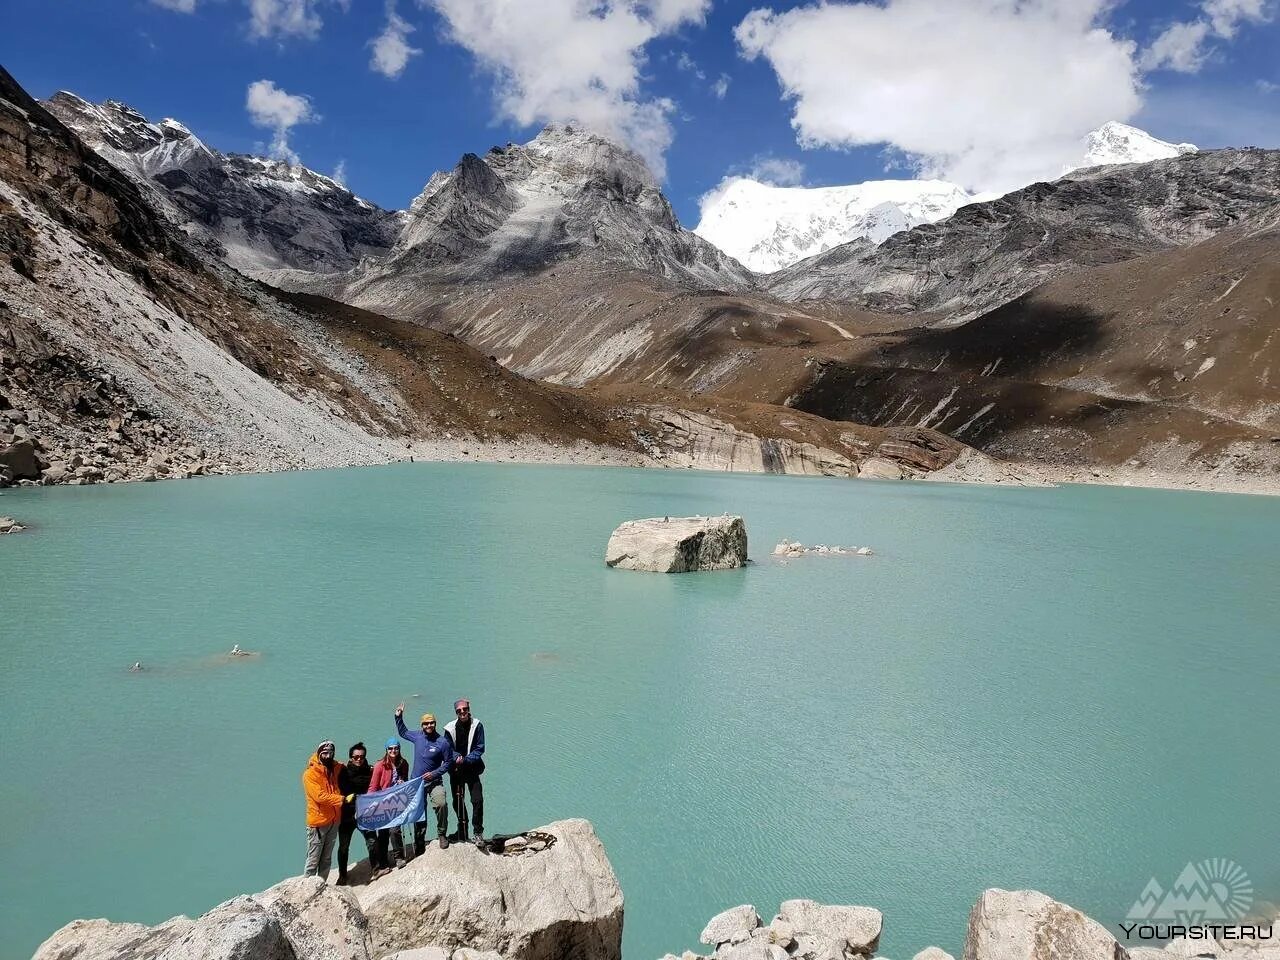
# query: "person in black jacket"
{"type": "Point", "coordinates": [467, 736]}
{"type": "Point", "coordinates": [353, 780]}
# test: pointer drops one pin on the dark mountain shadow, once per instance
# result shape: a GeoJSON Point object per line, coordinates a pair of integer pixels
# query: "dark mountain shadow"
{"type": "Point", "coordinates": [1016, 340]}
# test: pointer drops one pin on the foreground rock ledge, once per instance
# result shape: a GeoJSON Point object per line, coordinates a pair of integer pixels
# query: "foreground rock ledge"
{"type": "Point", "coordinates": [678, 544]}
{"type": "Point", "coordinates": [1003, 925]}
{"type": "Point", "coordinates": [455, 904]}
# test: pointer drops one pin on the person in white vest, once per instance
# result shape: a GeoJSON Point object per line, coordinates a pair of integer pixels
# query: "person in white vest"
{"type": "Point", "coordinates": [467, 736]}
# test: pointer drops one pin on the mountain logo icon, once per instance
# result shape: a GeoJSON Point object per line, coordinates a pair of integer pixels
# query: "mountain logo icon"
{"type": "Point", "coordinates": [1214, 889]}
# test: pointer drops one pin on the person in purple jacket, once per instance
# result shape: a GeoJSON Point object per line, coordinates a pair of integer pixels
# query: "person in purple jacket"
{"type": "Point", "coordinates": [432, 758]}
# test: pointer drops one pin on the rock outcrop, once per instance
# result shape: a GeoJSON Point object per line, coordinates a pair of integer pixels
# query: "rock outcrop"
{"type": "Point", "coordinates": [802, 928]}
{"type": "Point", "coordinates": [678, 544]}
{"type": "Point", "coordinates": [562, 903]}
{"type": "Point", "coordinates": [1003, 925]}
{"type": "Point", "coordinates": [1027, 925]}
{"type": "Point", "coordinates": [10, 525]}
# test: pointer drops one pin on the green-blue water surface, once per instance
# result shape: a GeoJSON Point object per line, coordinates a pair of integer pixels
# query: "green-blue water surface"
{"type": "Point", "coordinates": [1069, 689]}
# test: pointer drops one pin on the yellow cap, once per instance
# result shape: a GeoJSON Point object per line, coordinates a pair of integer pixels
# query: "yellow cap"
{"type": "Point", "coordinates": [428, 717]}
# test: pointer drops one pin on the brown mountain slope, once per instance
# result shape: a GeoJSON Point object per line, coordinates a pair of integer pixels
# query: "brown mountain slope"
{"type": "Point", "coordinates": [123, 355]}
{"type": "Point", "coordinates": [1172, 359]}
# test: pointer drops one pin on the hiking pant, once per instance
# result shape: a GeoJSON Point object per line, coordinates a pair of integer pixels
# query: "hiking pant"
{"type": "Point", "coordinates": [460, 786]}
{"type": "Point", "coordinates": [395, 839]}
{"type": "Point", "coordinates": [344, 844]}
{"type": "Point", "coordinates": [440, 804]}
{"type": "Point", "coordinates": [320, 842]}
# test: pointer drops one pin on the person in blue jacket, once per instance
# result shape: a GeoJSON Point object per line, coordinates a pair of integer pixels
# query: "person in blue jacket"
{"type": "Point", "coordinates": [466, 736]}
{"type": "Point", "coordinates": [432, 758]}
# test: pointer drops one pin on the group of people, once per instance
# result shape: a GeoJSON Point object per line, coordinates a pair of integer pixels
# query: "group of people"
{"type": "Point", "coordinates": [331, 790]}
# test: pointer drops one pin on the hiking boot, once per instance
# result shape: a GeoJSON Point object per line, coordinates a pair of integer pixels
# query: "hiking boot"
{"type": "Point", "coordinates": [342, 880]}
{"type": "Point", "coordinates": [479, 839]}
{"type": "Point", "coordinates": [444, 842]}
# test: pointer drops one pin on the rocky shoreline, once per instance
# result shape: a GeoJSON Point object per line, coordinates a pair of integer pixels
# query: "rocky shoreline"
{"type": "Point", "coordinates": [560, 900]}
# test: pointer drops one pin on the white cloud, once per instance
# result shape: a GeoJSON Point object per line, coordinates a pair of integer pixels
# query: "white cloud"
{"type": "Point", "coordinates": [391, 50]}
{"type": "Point", "coordinates": [1266, 86]}
{"type": "Point", "coordinates": [991, 94]}
{"type": "Point", "coordinates": [284, 18]}
{"type": "Point", "coordinates": [339, 175]}
{"type": "Point", "coordinates": [687, 64]}
{"type": "Point", "coordinates": [1181, 47]}
{"type": "Point", "coordinates": [721, 86]}
{"type": "Point", "coordinates": [278, 111]}
{"type": "Point", "coordinates": [1184, 45]}
{"type": "Point", "coordinates": [181, 6]}
{"type": "Point", "coordinates": [779, 171]}
{"type": "Point", "coordinates": [574, 61]}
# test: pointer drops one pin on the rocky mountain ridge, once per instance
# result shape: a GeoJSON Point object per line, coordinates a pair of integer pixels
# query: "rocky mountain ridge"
{"type": "Point", "coordinates": [519, 207]}
{"type": "Point", "coordinates": [990, 253]}
{"type": "Point", "coordinates": [127, 353]}
{"type": "Point", "coordinates": [258, 214]}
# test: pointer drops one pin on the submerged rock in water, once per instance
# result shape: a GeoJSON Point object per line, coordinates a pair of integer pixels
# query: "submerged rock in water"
{"type": "Point", "coordinates": [678, 544]}
{"type": "Point", "coordinates": [10, 525]}
{"type": "Point", "coordinates": [790, 549]}
{"type": "Point", "coordinates": [562, 901]}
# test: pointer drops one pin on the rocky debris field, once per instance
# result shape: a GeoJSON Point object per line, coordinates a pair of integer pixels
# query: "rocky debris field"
{"type": "Point", "coordinates": [1003, 925]}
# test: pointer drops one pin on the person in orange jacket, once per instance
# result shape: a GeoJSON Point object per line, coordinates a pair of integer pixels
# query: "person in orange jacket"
{"type": "Point", "coordinates": [324, 809]}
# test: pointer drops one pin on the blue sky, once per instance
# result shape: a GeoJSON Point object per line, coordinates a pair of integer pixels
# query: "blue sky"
{"type": "Point", "coordinates": [982, 91]}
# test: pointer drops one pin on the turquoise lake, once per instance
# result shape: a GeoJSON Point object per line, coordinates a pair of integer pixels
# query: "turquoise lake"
{"type": "Point", "coordinates": [1070, 689]}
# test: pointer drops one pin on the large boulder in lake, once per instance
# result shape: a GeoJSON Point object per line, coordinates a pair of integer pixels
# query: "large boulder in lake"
{"type": "Point", "coordinates": [678, 544]}
{"type": "Point", "coordinates": [558, 903]}
{"type": "Point", "coordinates": [1027, 925]}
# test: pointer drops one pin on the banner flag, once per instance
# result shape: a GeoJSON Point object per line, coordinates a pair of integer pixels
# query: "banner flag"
{"type": "Point", "coordinates": [392, 807]}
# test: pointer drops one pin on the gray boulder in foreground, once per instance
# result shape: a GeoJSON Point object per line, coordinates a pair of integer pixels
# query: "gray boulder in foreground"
{"type": "Point", "coordinates": [678, 544]}
{"type": "Point", "coordinates": [240, 929]}
{"type": "Point", "coordinates": [1022, 925]}
{"type": "Point", "coordinates": [560, 903]}
{"type": "Point", "coordinates": [1027, 925]}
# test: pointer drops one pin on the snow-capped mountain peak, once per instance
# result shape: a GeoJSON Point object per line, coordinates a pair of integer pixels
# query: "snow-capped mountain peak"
{"type": "Point", "coordinates": [1116, 142]}
{"type": "Point", "coordinates": [767, 227]}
